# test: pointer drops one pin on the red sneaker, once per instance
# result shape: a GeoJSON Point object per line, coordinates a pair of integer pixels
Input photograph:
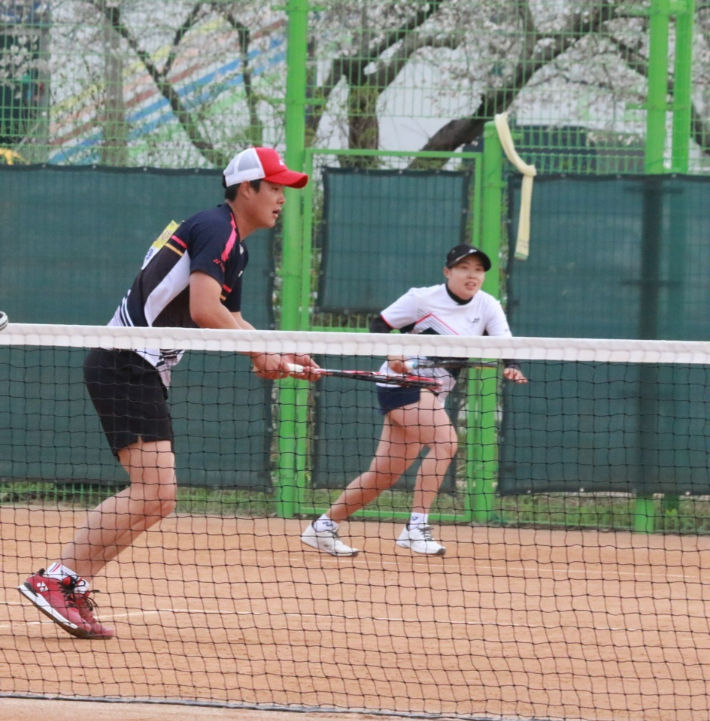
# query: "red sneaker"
{"type": "Point", "coordinates": [57, 600]}
{"type": "Point", "coordinates": [51, 597]}
{"type": "Point", "coordinates": [86, 605]}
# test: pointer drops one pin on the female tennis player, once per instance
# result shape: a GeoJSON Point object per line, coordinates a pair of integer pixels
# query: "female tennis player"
{"type": "Point", "coordinates": [191, 277]}
{"type": "Point", "coordinates": [415, 418]}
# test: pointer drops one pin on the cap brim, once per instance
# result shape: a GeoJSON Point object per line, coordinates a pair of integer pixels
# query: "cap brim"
{"type": "Point", "coordinates": [484, 259]}
{"type": "Point", "coordinates": [289, 178]}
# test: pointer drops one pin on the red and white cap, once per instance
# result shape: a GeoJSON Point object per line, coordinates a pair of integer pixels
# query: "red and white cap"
{"type": "Point", "coordinates": [262, 164]}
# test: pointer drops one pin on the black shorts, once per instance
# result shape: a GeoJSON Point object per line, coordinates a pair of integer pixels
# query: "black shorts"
{"type": "Point", "coordinates": [129, 397]}
{"type": "Point", "coordinates": [391, 397]}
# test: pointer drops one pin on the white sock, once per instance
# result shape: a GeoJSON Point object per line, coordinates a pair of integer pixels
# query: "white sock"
{"type": "Point", "coordinates": [59, 572]}
{"type": "Point", "coordinates": [418, 519]}
{"type": "Point", "coordinates": [325, 524]}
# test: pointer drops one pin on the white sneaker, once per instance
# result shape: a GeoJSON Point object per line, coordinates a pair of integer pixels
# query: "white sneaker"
{"type": "Point", "coordinates": [327, 541]}
{"type": "Point", "coordinates": [420, 540]}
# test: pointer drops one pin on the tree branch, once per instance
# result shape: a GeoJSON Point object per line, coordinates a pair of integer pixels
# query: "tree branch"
{"type": "Point", "coordinates": [255, 125]}
{"type": "Point", "coordinates": [386, 72]}
{"type": "Point", "coordinates": [527, 19]}
{"type": "Point", "coordinates": [184, 117]}
{"type": "Point", "coordinates": [352, 65]}
{"type": "Point", "coordinates": [194, 16]}
{"type": "Point", "coordinates": [396, 35]}
{"type": "Point", "coordinates": [496, 100]}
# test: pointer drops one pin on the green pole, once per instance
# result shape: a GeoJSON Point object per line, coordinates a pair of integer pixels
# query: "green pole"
{"type": "Point", "coordinates": [307, 246]}
{"type": "Point", "coordinates": [293, 395]}
{"type": "Point", "coordinates": [482, 426]}
{"type": "Point", "coordinates": [682, 86]}
{"type": "Point", "coordinates": [680, 156]}
{"type": "Point", "coordinates": [657, 86]}
{"type": "Point", "coordinates": [477, 201]}
{"type": "Point", "coordinates": [296, 57]}
{"type": "Point", "coordinates": [656, 110]}
{"type": "Point", "coordinates": [492, 209]}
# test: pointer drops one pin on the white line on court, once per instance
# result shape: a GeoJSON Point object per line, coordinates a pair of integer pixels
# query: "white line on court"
{"type": "Point", "coordinates": [447, 567]}
{"type": "Point", "coordinates": [320, 617]}
{"type": "Point", "coordinates": [539, 568]}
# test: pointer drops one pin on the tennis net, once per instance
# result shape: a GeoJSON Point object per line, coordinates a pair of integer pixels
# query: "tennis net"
{"type": "Point", "coordinates": [573, 509]}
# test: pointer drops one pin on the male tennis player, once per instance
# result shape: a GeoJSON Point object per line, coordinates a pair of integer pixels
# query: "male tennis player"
{"type": "Point", "coordinates": [191, 277]}
{"type": "Point", "coordinates": [415, 418]}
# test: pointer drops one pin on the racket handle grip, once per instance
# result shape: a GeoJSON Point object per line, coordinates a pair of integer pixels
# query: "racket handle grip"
{"type": "Point", "coordinates": [411, 365]}
{"type": "Point", "coordinates": [295, 368]}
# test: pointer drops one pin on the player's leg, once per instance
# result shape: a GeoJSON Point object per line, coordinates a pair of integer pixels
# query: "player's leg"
{"type": "Point", "coordinates": [395, 452]}
{"type": "Point", "coordinates": [113, 526]}
{"type": "Point", "coordinates": [433, 429]}
{"type": "Point", "coordinates": [119, 520]}
{"type": "Point", "coordinates": [132, 405]}
{"type": "Point", "coordinates": [393, 456]}
{"type": "Point", "coordinates": [436, 432]}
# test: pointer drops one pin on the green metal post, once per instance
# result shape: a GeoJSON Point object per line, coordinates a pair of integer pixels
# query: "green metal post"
{"type": "Point", "coordinates": [645, 514]}
{"type": "Point", "coordinates": [682, 86]}
{"type": "Point", "coordinates": [656, 111]}
{"type": "Point", "coordinates": [477, 202]}
{"type": "Point", "coordinates": [296, 57]}
{"type": "Point", "coordinates": [681, 150]}
{"type": "Point", "coordinates": [482, 440]}
{"type": "Point", "coordinates": [680, 155]}
{"type": "Point", "coordinates": [492, 209]}
{"type": "Point", "coordinates": [657, 86]}
{"type": "Point", "coordinates": [293, 395]}
{"type": "Point", "coordinates": [473, 441]}
{"type": "Point", "coordinates": [485, 463]}
{"type": "Point", "coordinates": [307, 247]}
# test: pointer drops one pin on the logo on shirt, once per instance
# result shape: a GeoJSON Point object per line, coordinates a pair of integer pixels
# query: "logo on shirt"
{"type": "Point", "coordinates": [219, 262]}
{"type": "Point", "coordinates": [160, 241]}
{"type": "Point", "coordinates": [475, 320]}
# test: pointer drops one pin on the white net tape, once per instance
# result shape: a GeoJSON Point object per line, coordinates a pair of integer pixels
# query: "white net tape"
{"type": "Point", "coordinates": [360, 344]}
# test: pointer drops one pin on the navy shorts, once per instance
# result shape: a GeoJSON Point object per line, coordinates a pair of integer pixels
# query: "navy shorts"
{"type": "Point", "coordinates": [129, 397]}
{"type": "Point", "coordinates": [391, 397]}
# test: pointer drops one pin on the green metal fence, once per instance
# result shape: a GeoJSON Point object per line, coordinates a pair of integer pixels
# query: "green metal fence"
{"type": "Point", "coordinates": [181, 84]}
{"type": "Point", "coordinates": [592, 86]}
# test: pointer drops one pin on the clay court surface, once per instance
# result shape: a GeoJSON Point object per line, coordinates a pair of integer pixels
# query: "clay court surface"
{"type": "Point", "coordinates": [13, 709]}
{"type": "Point", "coordinates": [517, 623]}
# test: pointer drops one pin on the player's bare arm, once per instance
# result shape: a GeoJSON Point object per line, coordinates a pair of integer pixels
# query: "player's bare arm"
{"type": "Point", "coordinates": [206, 308]}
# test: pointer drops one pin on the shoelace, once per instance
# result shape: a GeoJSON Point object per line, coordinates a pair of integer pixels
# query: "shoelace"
{"type": "Point", "coordinates": [81, 601]}
{"type": "Point", "coordinates": [426, 533]}
{"type": "Point", "coordinates": [84, 600]}
{"type": "Point", "coordinates": [332, 531]}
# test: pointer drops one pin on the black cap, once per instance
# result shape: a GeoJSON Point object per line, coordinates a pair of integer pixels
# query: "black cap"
{"type": "Point", "coordinates": [459, 252]}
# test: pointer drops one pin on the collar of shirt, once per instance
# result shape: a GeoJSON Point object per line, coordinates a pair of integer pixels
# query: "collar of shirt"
{"type": "Point", "coordinates": [455, 298]}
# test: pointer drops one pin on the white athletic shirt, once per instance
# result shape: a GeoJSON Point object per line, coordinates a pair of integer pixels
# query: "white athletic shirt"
{"type": "Point", "coordinates": [433, 311]}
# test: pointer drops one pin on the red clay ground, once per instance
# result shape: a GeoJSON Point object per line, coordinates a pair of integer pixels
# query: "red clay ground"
{"type": "Point", "coordinates": [511, 622]}
{"type": "Point", "coordinates": [13, 709]}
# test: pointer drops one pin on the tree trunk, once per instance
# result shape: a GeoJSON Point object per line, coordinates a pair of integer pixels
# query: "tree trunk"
{"type": "Point", "coordinates": [114, 147]}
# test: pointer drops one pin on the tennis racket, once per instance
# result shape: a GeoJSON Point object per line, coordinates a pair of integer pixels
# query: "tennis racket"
{"type": "Point", "coordinates": [3, 320]}
{"type": "Point", "coordinates": [404, 381]}
{"type": "Point", "coordinates": [450, 363]}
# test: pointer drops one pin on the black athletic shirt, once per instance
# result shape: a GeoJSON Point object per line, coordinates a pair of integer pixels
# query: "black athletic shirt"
{"type": "Point", "coordinates": [160, 295]}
